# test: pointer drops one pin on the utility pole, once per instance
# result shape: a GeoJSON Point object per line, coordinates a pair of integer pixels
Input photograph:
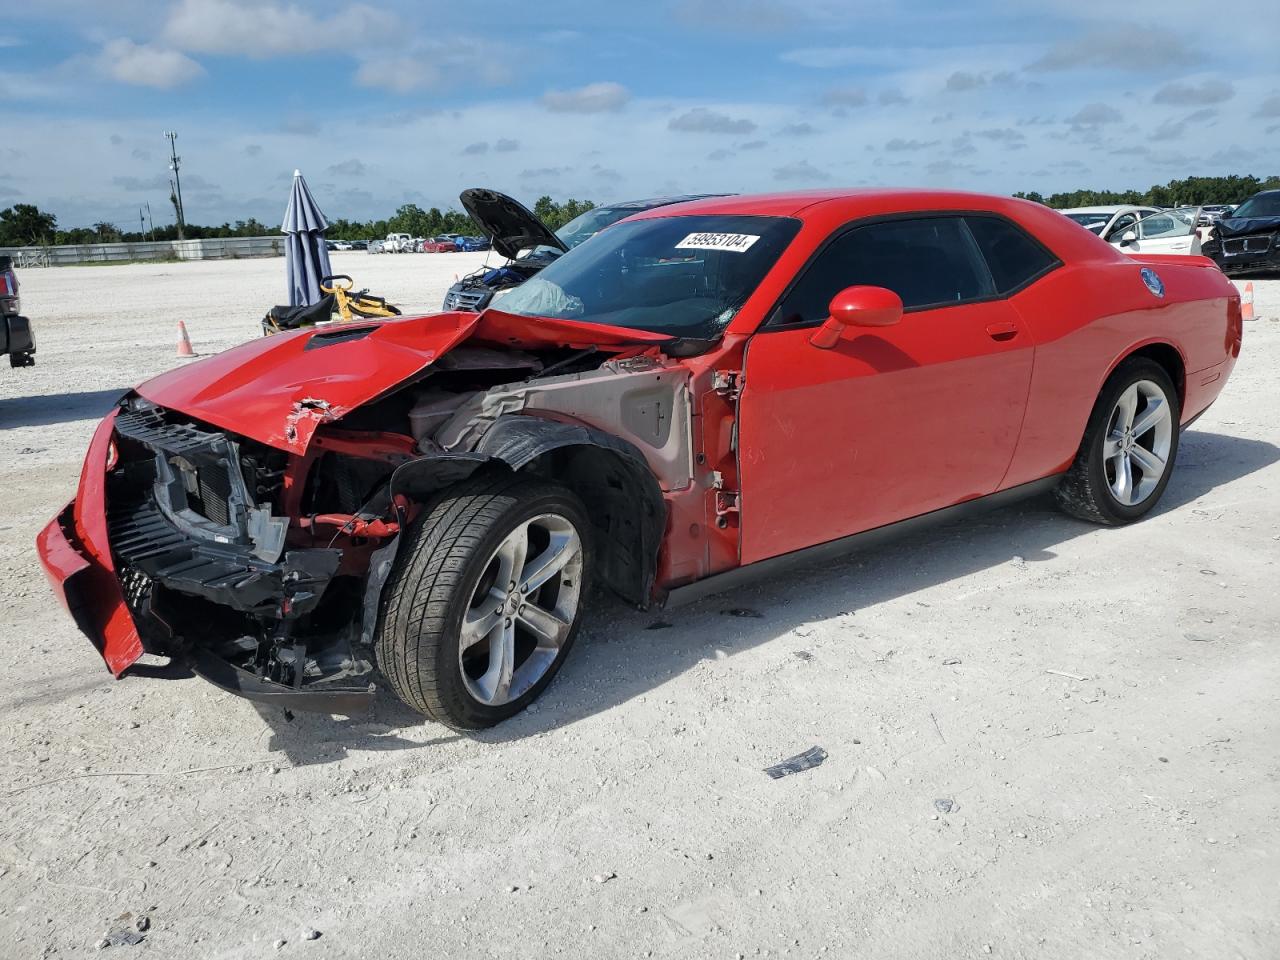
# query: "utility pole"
{"type": "Point", "coordinates": [142, 224]}
{"type": "Point", "coordinates": [172, 136]}
{"type": "Point", "coordinates": [151, 223]}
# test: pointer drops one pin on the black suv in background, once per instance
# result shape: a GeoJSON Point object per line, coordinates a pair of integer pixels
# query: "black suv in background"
{"type": "Point", "coordinates": [19, 341]}
{"type": "Point", "coordinates": [1248, 239]}
{"type": "Point", "coordinates": [513, 229]}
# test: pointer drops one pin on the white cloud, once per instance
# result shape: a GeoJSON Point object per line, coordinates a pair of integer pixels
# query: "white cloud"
{"type": "Point", "coordinates": [1094, 115]}
{"type": "Point", "coordinates": [702, 120]}
{"type": "Point", "coordinates": [261, 30]}
{"type": "Point", "coordinates": [1195, 94]}
{"type": "Point", "coordinates": [143, 65]}
{"type": "Point", "coordinates": [1119, 46]}
{"type": "Point", "coordinates": [593, 98]}
{"type": "Point", "coordinates": [398, 74]}
{"type": "Point", "coordinates": [802, 171]}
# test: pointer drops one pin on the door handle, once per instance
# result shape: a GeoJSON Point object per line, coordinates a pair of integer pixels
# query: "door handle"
{"type": "Point", "coordinates": [1004, 330]}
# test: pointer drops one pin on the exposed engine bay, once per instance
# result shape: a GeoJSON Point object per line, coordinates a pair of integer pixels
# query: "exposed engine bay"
{"type": "Point", "coordinates": [265, 568]}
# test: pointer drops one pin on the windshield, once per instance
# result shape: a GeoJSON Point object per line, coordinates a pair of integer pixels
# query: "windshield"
{"type": "Point", "coordinates": [1091, 221]}
{"type": "Point", "coordinates": [683, 276]}
{"type": "Point", "coordinates": [590, 223]}
{"type": "Point", "coordinates": [1261, 205]}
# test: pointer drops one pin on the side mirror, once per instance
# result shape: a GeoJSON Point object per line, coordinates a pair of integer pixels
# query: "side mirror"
{"type": "Point", "coordinates": [1128, 237]}
{"type": "Point", "coordinates": [855, 307]}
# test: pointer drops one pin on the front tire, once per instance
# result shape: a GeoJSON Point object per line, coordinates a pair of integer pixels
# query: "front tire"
{"type": "Point", "coordinates": [486, 600]}
{"type": "Point", "coordinates": [1127, 455]}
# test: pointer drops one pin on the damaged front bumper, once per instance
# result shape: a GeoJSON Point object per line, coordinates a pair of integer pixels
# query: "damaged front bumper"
{"type": "Point", "coordinates": [1247, 253]}
{"type": "Point", "coordinates": [165, 551]}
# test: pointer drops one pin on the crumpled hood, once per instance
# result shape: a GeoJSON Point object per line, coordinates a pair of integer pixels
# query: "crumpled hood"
{"type": "Point", "coordinates": [279, 389]}
{"type": "Point", "coordinates": [1239, 227]}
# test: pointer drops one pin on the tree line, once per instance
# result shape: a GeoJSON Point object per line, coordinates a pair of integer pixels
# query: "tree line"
{"type": "Point", "coordinates": [1190, 191]}
{"type": "Point", "coordinates": [25, 224]}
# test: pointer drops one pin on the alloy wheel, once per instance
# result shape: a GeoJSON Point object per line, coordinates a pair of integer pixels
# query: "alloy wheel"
{"type": "Point", "coordinates": [522, 610]}
{"type": "Point", "coordinates": [1135, 449]}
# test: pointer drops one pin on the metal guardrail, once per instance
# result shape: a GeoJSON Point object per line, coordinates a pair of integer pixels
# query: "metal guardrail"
{"type": "Point", "coordinates": [214, 248]}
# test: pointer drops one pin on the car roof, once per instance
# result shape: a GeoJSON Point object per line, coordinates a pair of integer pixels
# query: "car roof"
{"type": "Point", "coordinates": [852, 202]}
{"type": "Point", "coordinates": [659, 201]}
{"type": "Point", "coordinates": [1108, 208]}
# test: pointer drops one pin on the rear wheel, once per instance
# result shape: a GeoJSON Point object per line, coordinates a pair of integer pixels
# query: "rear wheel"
{"type": "Point", "coordinates": [486, 600]}
{"type": "Point", "coordinates": [1129, 446]}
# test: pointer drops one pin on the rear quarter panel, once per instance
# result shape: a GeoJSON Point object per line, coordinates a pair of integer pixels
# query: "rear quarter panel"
{"type": "Point", "coordinates": [1088, 316]}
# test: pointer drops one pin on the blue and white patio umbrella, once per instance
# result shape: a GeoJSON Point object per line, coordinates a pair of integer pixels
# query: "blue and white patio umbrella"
{"type": "Point", "coordinates": [306, 256]}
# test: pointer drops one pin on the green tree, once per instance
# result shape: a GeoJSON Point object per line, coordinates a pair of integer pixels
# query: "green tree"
{"type": "Point", "coordinates": [24, 224]}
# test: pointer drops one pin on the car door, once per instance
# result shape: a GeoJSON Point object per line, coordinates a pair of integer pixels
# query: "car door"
{"type": "Point", "coordinates": [894, 421]}
{"type": "Point", "coordinates": [1165, 232]}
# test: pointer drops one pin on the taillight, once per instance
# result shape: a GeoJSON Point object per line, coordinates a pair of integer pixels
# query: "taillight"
{"type": "Point", "coordinates": [8, 284]}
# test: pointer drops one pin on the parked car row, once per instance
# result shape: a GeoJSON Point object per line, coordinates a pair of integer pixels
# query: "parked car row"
{"type": "Point", "coordinates": [445, 243]}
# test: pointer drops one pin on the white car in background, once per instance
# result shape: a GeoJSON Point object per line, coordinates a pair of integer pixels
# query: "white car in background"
{"type": "Point", "coordinates": [1148, 230]}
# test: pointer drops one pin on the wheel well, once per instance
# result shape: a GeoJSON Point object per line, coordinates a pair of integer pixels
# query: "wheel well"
{"type": "Point", "coordinates": [626, 510]}
{"type": "Point", "coordinates": [1168, 357]}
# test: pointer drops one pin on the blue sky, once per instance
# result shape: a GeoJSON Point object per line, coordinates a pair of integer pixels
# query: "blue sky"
{"type": "Point", "coordinates": [382, 103]}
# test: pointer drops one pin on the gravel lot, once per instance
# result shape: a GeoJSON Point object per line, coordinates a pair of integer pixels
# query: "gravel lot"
{"type": "Point", "coordinates": [1045, 739]}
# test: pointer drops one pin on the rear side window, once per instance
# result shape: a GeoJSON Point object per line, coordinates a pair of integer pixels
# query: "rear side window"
{"type": "Point", "coordinates": [1015, 259]}
{"type": "Point", "coordinates": [929, 262]}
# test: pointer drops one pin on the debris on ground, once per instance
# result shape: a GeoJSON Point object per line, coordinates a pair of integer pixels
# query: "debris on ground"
{"type": "Point", "coordinates": [946, 805]}
{"type": "Point", "coordinates": [659, 625]}
{"type": "Point", "coordinates": [950, 662]}
{"type": "Point", "coordinates": [604, 877]}
{"type": "Point", "coordinates": [801, 762]}
{"type": "Point", "coordinates": [121, 938]}
{"type": "Point", "coordinates": [802, 655]}
{"type": "Point", "coordinates": [1069, 676]}
{"type": "Point", "coordinates": [745, 612]}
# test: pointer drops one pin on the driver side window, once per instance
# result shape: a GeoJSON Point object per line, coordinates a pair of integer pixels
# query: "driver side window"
{"type": "Point", "coordinates": [1120, 226]}
{"type": "Point", "coordinates": [929, 262]}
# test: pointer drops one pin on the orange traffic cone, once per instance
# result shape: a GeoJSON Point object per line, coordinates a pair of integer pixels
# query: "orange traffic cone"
{"type": "Point", "coordinates": [1246, 302]}
{"type": "Point", "coordinates": [184, 341]}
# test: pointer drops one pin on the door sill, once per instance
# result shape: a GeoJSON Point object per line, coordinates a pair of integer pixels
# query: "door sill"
{"type": "Point", "coordinates": [832, 549]}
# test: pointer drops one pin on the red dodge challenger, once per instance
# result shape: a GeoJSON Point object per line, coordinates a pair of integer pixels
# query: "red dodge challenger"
{"type": "Point", "coordinates": [697, 395]}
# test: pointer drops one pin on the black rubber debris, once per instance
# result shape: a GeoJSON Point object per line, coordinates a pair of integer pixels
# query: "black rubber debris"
{"type": "Point", "coordinates": [801, 762]}
{"type": "Point", "coordinates": [742, 612]}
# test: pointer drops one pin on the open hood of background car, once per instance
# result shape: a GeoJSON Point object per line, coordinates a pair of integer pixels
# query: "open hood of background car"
{"type": "Point", "coordinates": [508, 223]}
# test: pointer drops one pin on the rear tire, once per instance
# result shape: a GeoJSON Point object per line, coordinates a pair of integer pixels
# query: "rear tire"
{"type": "Point", "coordinates": [22, 360]}
{"type": "Point", "coordinates": [457, 641]}
{"type": "Point", "coordinates": [1127, 455]}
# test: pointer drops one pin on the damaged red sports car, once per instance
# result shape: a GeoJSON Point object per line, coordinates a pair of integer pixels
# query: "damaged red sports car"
{"type": "Point", "coordinates": [699, 394]}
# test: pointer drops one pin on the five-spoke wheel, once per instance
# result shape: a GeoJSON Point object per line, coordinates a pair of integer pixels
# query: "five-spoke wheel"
{"type": "Point", "coordinates": [1126, 457]}
{"type": "Point", "coordinates": [485, 599]}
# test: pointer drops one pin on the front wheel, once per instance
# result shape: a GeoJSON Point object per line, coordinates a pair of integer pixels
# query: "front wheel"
{"type": "Point", "coordinates": [486, 599]}
{"type": "Point", "coordinates": [1129, 446]}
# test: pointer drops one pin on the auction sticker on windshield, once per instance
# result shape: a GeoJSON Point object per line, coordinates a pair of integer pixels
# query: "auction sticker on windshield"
{"type": "Point", "coordinates": [736, 242]}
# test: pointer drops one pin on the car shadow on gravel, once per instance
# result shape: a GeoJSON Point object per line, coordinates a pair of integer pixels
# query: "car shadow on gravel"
{"type": "Point", "coordinates": [52, 408]}
{"type": "Point", "coordinates": [620, 656]}
{"type": "Point", "coordinates": [623, 653]}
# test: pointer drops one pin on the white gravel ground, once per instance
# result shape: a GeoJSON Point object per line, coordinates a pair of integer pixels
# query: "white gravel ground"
{"type": "Point", "coordinates": [1097, 707]}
